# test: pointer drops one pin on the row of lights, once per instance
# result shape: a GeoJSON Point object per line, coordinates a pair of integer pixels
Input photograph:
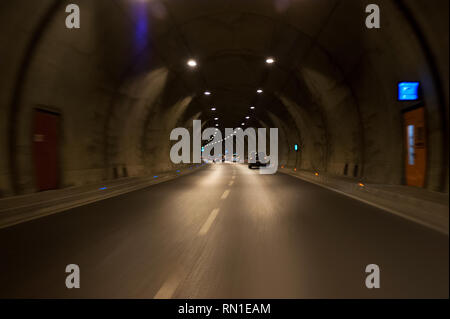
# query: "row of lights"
{"type": "Point", "coordinates": [208, 93]}
{"type": "Point", "coordinates": [216, 118]}
{"type": "Point", "coordinates": [193, 64]}
{"type": "Point", "coordinates": [222, 140]}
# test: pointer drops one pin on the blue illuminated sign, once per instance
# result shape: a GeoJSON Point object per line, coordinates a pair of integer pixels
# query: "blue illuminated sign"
{"type": "Point", "coordinates": [296, 147]}
{"type": "Point", "coordinates": [408, 91]}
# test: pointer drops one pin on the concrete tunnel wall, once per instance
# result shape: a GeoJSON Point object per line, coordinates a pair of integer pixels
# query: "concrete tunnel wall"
{"type": "Point", "coordinates": [121, 86]}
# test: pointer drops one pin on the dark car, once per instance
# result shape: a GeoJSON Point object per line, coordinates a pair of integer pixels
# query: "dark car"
{"type": "Point", "coordinates": [255, 162]}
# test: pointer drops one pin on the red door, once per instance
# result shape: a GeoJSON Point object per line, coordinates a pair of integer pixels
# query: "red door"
{"type": "Point", "coordinates": [45, 150]}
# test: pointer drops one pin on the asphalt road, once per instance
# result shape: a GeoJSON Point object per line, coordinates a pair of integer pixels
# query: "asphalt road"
{"type": "Point", "coordinates": [224, 232]}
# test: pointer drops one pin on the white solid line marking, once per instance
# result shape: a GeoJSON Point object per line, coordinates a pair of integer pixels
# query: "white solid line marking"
{"type": "Point", "coordinates": [390, 210]}
{"type": "Point", "coordinates": [231, 183]}
{"type": "Point", "coordinates": [208, 222]}
{"type": "Point", "coordinates": [225, 194]}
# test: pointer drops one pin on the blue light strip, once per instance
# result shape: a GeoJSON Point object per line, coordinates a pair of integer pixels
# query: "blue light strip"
{"type": "Point", "coordinates": [141, 28]}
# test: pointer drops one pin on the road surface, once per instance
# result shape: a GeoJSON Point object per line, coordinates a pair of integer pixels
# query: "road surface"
{"type": "Point", "coordinates": [224, 232]}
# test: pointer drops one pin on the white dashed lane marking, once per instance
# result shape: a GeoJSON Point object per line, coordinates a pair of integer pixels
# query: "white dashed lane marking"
{"type": "Point", "coordinates": [170, 286]}
{"type": "Point", "coordinates": [225, 194]}
{"type": "Point", "coordinates": [208, 222]}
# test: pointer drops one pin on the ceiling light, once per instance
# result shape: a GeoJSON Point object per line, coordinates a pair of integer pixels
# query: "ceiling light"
{"type": "Point", "coordinates": [252, 107]}
{"type": "Point", "coordinates": [243, 124]}
{"type": "Point", "coordinates": [216, 119]}
{"type": "Point", "coordinates": [247, 117]}
{"type": "Point", "coordinates": [270, 60]}
{"type": "Point", "coordinates": [259, 91]}
{"type": "Point", "coordinates": [217, 124]}
{"type": "Point", "coordinates": [213, 109]}
{"type": "Point", "coordinates": [207, 93]}
{"type": "Point", "coordinates": [192, 63]}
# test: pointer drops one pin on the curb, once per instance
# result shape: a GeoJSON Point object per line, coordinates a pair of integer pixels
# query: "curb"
{"type": "Point", "coordinates": [24, 213]}
{"type": "Point", "coordinates": [439, 227]}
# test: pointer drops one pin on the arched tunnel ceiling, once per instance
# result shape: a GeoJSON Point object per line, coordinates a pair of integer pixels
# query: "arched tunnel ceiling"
{"type": "Point", "coordinates": [231, 41]}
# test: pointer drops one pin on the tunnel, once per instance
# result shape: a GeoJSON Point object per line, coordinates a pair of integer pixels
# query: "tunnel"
{"type": "Point", "coordinates": [86, 176]}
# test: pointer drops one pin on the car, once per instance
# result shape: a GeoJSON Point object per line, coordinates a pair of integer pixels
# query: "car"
{"type": "Point", "coordinates": [255, 158]}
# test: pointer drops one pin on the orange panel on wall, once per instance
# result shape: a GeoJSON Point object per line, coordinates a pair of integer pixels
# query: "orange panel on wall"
{"type": "Point", "coordinates": [416, 147]}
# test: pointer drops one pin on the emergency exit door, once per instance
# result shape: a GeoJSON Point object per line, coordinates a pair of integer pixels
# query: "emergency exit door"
{"type": "Point", "coordinates": [45, 149]}
{"type": "Point", "coordinates": [416, 147]}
